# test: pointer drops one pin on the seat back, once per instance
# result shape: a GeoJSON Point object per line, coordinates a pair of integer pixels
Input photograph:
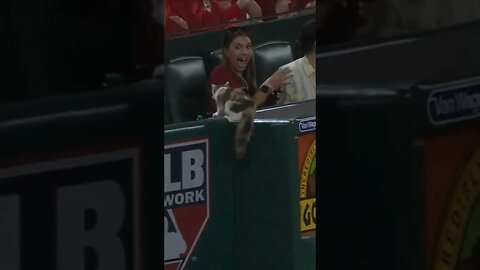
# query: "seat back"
{"type": "Point", "coordinates": [269, 56]}
{"type": "Point", "coordinates": [186, 88]}
{"type": "Point", "coordinates": [214, 58]}
{"type": "Point", "coordinates": [167, 112]}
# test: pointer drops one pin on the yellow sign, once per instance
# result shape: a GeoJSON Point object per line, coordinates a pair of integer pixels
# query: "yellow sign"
{"type": "Point", "coordinates": [307, 168]}
{"type": "Point", "coordinates": [463, 199]}
{"type": "Point", "coordinates": [307, 149]}
{"type": "Point", "coordinates": [308, 217]}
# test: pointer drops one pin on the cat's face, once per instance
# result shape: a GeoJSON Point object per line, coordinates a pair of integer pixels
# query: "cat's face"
{"type": "Point", "coordinates": [224, 92]}
{"type": "Point", "coordinates": [216, 87]}
{"type": "Point", "coordinates": [239, 53]}
{"type": "Point", "coordinates": [224, 87]}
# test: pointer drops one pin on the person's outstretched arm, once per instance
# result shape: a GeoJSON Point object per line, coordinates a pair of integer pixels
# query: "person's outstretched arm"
{"type": "Point", "coordinates": [275, 82]}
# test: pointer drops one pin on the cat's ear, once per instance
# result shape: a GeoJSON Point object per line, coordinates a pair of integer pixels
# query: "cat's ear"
{"type": "Point", "coordinates": [213, 88]}
{"type": "Point", "coordinates": [227, 84]}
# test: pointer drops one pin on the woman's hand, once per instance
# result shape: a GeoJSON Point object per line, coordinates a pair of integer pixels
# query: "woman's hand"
{"type": "Point", "coordinates": [279, 78]}
{"type": "Point", "coordinates": [275, 82]}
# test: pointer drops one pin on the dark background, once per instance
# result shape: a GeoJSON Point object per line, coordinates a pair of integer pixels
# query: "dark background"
{"type": "Point", "coordinates": [53, 47]}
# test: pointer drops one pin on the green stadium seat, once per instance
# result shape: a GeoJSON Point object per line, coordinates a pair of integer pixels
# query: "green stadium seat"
{"type": "Point", "coordinates": [186, 88]}
{"type": "Point", "coordinates": [215, 58]}
{"type": "Point", "coordinates": [167, 113]}
{"type": "Point", "coordinates": [269, 56]}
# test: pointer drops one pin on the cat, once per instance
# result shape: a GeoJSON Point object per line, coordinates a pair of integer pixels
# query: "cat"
{"type": "Point", "coordinates": [236, 106]}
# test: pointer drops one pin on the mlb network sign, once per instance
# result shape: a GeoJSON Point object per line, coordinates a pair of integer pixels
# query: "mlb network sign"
{"type": "Point", "coordinates": [72, 213]}
{"type": "Point", "coordinates": [186, 199]}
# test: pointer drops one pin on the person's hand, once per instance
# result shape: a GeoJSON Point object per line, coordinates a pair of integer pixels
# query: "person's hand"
{"type": "Point", "coordinates": [243, 4]}
{"type": "Point", "coordinates": [279, 78]}
{"type": "Point", "coordinates": [282, 6]}
{"type": "Point", "coordinates": [311, 4]}
{"type": "Point", "coordinates": [251, 7]}
{"type": "Point", "coordinates": [254, 10]}
{"type": "Point", "coordinates": [180, 21]}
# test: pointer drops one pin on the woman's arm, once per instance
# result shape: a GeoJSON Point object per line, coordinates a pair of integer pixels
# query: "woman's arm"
{"type": "Point", "coordinates": [275, 82]}
{"type": "Point", "coordinates": [261, 96]}
{"type": "Point", "coordinates": [251, 7]}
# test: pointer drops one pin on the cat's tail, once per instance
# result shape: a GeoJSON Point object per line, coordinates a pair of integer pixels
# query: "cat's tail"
{"type": "Point", "coordinates": [244, 132]}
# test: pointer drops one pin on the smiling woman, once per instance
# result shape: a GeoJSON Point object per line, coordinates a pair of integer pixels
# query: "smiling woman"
{"type": "Point", "coordinates": [238, 70]}
{"type": "Point", "coordinates": [239, 52]}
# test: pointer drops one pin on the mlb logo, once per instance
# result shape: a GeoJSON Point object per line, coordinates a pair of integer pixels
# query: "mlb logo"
{"type": "Point", "coordinates": [186, 199]}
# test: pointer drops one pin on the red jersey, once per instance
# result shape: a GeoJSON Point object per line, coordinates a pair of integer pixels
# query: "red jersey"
{"type": "Point", "coordinates": [298, 4]}
{"type": "Point", "coordinates": [233, 13]}
{"type": "Point", "coordinates": [184, 9]}
{"type": "Point", "coordinates": [170, 25]}
{"type": "Point", "coordinates": [268, 7]}
{"type": "Point", "coordinates": [198, 13]}
{"type": "Point", "coordinates": [217, 16]}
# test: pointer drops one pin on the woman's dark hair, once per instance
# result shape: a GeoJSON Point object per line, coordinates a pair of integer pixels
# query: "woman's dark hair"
{"type": "Point", "coordinates": [306, 42]}
{"type": "Point", "coordinates": [249, 74]}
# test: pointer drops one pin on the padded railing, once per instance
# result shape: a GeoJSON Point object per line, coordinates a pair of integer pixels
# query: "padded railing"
{"type": "Point", "coordinates": [94, 157]}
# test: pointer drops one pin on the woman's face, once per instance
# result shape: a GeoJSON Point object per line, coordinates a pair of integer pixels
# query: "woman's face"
{"type": "Point", "coordinates": [239, 53]}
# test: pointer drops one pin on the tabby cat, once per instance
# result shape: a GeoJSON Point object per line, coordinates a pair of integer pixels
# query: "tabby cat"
{"type": "Point", "coordinates": [237, 106]}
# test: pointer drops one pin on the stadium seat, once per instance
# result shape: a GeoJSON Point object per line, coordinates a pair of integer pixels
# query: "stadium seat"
{"type": "Point", "coordinates": [167, 112]}
{"type": "Point", "coordinates": [269, 56]}
{"type": "Point", "coordinates": [186, 88]}
{"type": "Point", "coordinates": [214, 58]}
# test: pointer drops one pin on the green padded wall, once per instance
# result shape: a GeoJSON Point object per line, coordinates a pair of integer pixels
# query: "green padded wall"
{"type": "Point", "coordinates": [255, 205]}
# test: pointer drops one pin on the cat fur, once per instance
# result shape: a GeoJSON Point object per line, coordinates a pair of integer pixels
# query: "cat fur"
{"type": "Point", "coordinates": [237, 107]}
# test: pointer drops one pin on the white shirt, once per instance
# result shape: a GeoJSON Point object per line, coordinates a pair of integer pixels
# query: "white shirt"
{"type": "Point", "coordinates": [302, 84]}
